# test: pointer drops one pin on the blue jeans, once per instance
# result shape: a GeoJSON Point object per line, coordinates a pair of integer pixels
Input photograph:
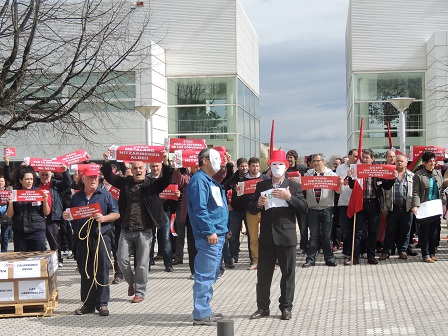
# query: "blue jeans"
{"type": "Point", "coordinates": [399, 223]}
{"type": "Point", "coordinates": [164, 241]}
{"type": "Point", "coordinates": [139, 244]}
{"type": "Point", "coordinates": [236, 217]}
{"type": "Point", "coordinates": [6, 237]}
{"type": "Point", "coordinates": [207, 265]}
{"type": "Point", "coordinates": [320, 223]}
{"type": "Point", "coordinates": [428, 238]}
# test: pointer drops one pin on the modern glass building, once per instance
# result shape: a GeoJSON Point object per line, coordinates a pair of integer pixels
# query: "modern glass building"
{"type": "Point", "coordinates": [201, 74]}
{"type": "Point", "coordinates": [396, 49]}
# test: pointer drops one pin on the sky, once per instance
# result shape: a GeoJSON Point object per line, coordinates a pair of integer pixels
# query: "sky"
{"type": "Point", "coordinates": [302, 73]}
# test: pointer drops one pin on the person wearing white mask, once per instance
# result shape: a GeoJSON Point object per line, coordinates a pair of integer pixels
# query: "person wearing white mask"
{"type": "Point", "coordinates": [277, 200]}
{"type": "Point", "coordinates": [208, 213]}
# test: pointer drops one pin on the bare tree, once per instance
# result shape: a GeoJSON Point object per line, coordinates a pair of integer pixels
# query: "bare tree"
{"type": "Point", "coordinates": [59, 58]}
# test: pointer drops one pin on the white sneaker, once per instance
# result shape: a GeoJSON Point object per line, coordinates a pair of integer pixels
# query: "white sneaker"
{"type": "Point", "coordinates": [252, 267]}
{"type": "Point", "coordinates": [364, 255]}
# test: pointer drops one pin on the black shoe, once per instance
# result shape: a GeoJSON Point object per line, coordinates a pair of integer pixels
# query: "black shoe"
{"type": "Point", "coordinates": [286, 314]}
{"type": "Point", "coordinates": [260, 313]}
{"type": "Point", "coordinates": [331, 263]}
{"type": "Point", "coordinates": [103, 311]}
{"type": "Point", "coordinates": [229, 264]}
{"type": "Point", "coordinates": [307, 264]}
{"type": "Point", "coordinates": [84, 310]}
{"type": "Point", "coordinates": [152, 263]}
{"type": "Point", "coordinates": [348, 262]}
{"type": "Point", "coordinates": [411, 252]}
{"type": "Point", "coordinates": [372, 260]}
{"type": "Point", "coordinates": [169, 268]}
{"type": "Point", "coordinates": [158, 258]}
{"type": "Point", "coordinates": [177, 261]}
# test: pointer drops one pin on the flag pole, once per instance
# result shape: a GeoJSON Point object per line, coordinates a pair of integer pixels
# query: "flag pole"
{"type": "Point", "coordinates": [353, 238]}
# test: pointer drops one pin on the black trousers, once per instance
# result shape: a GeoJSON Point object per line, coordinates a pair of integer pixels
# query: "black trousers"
{"type": "Point", "coordinates": [286, 256]}
{"type": "Point", "coordinates": [191, 245]}
{"type": "Point", "coordinates": [99, 295]}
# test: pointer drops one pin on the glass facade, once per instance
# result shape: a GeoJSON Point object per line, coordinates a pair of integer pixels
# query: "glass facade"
{"type": "Point", "coordinates": [371, 92]}
{"type": "Point", "coordinates": [221, 110]}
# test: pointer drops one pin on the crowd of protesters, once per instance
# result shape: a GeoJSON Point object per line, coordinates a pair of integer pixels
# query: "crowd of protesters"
{"type": "Point", "coordinates": [211, 212]}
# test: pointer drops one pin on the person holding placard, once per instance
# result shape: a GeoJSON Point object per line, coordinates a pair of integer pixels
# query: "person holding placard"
{"type": "Point", "coordinates": [428, 186]}
{"type": "Point", "coordinates": [28, 217]}
{"type": "Point", "coordinates": [277, 200]}
{"type": "Point", "coordinates": [320, 215]}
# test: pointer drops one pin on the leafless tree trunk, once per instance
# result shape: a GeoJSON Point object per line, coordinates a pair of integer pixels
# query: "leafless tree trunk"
{"type": "Point", "coordinates": [60, 58]}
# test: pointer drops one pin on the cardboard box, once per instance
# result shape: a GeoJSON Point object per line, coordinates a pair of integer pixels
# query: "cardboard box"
{"type": "Point", "coordinates": [25, 265]}
{"type": "Point", "coordinates": [27, 290]}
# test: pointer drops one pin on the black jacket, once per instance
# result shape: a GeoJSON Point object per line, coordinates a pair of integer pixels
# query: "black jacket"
{"type": "Point", "coordinates": [28, 217]}
{"type": "Point", "coordinates": [278, 225]}
{"type": "Point", "coordinates": [151, 189]}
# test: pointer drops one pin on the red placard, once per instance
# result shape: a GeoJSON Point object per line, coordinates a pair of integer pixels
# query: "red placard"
{"type": "Point", "coordinates": [44, 164]}
{"type": "Point", "coordinates": [136, 153]}
{"type": "Point", "coordinates": [4, 195]}
{"type": "Point", "coordinates": [170, 192]}
{"type": "Point", "coordinates": [321, 182]}
{"type": "Point", "coordinates": [73, 157]}
{"type": "Point", "coordinates": [247, 187]}
{"type": "Point", "coordinates": [173, 144]}
{"type": "Point", "coordinates": [9, 151]}
{"type": "Point", "coordinates": [22, 195]}
{"type": "Point", "coordinates": [295, 173]}
{"type": "Point", "coordinates": [222, 152]}
{"type": "Point", "coordinates": [84, 211]}
{"type": "Point", "coordinates": [416, 152]}
{"type": "Point", "coordinates": [184, 158]}
{"type": "Point", "coordinates": [375, 170]}
{"type": "Point", "coordinates": [115, 192]}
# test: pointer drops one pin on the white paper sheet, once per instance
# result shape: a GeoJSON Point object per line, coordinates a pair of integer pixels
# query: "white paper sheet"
{"type": "Point", "coordinates": [273, 202]}
{"type": "Point", "coordinates": [430, 208]}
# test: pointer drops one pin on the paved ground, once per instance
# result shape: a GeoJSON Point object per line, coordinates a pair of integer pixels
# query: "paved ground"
{"type": "Point", "coordinates": [393, 298]}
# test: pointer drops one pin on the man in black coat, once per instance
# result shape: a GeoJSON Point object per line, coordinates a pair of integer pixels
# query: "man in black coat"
{"type": "Point", "coordinates": [277, 200]}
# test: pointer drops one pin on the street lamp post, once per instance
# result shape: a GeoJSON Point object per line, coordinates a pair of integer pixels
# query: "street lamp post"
{"type": "Point", "coordinates": [401, 104]}
{"type": "Point", "coordinates": [147, 111]}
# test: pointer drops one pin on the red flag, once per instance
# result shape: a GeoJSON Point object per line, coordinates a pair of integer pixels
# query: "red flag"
{"type": "Point", "coordinates": [356, 200]}
{"type": "Point", "coordinates": [360, 140]}
{"type": "Point", "coordinates": [389, 135]}
{"type": "Point", "coordinates": [271, 144]}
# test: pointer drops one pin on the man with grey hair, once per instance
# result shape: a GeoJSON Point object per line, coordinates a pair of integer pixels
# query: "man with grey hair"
{"type": "Point", "coordinates": [208, 213]}
{"type": "Point", "coordinates": [320, 214]}
{"type": "Point", "coordinates": [399, 213]}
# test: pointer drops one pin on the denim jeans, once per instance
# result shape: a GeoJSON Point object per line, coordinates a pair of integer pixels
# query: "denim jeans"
{"type": "Point", "coordinates": [6, 237]}
{"type": "Point", "coordinates": [399, 223]}
{"type": "Point", "coordinates": [164, 241]}
{"type": "Point", "coordinates": [139, 244]}
{"type": "Point", "coordinates": [428, 238]}
{"type": "Point", "coordinates": [320, 223]}
{"type": "Point", "coordinates": [206, 270]}
{"type": "Point", "coordinates": [236, 217]}
{"type": "Point", "coordinates": [370, 214]}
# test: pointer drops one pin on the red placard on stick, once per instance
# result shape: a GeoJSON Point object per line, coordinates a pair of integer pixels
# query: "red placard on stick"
{"type": "Point", "coordinates": [44, 164]}
{"type": "Point", "coordinates": [170, 192]}
{"type": "Point", "coordinates": [247, 187]}
{"type": "Point", "coordinates": [416, 152]}
{"type": "Point", "coordinates": [136, 153]}
{"type": "Point", "coordinates": [9, 151]}
{"type": "Point", "coordinates": [173, 144]}
{"type": "Point", "coordinates": [84, 211]}
{"type": "Point", "coordinates": [375, 170]}
{"type": "Point", "coordinates": [321, 182]}
{"type": "Point", "coordinates": [115, 192]}
{"type": "Point", "coordinates": [184, 158]}
{"type": "Point", "coordinates": [33, 195]}
{"type": "Point", "coordinates": [73, 157]}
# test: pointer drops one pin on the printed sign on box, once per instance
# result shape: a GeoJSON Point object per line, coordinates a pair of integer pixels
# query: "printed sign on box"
{"type": "Point", "coordinates": [32, 289]}
{"type": "Point", "coordinates": [3, 270]}
{"type": "Point", "coordinates": [7, 291]}
{"type": "Point", "coordinates": [26, 269]}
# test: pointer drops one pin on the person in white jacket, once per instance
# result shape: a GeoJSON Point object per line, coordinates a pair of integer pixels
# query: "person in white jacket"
{"type": "Point", "coordinates": [320, 214]}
